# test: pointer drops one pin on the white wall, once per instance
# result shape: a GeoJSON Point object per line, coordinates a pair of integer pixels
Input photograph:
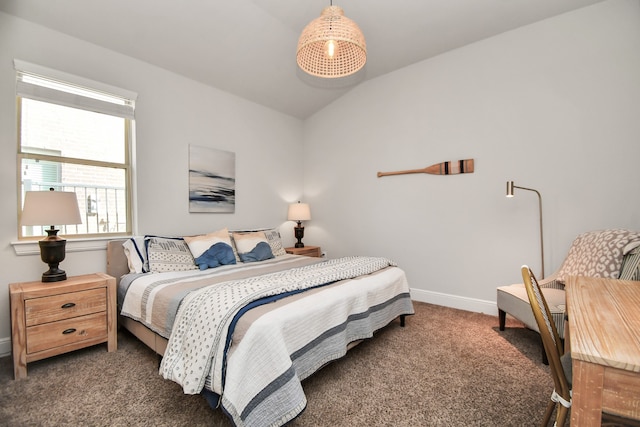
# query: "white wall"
{"type": "Point", "coordinates": [554, 106]}
{"type": "Point", "coordinates": [171, 113]}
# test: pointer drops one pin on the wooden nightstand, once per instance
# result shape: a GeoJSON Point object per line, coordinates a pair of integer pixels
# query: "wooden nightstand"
{"type": "Point", "coordinates": [307, 251]}
{"type": "Point", "coordinates": [48, 319]}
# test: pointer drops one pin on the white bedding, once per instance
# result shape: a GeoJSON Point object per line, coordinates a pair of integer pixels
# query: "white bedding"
{"type": "Point", "coordinates": [264, 372]}
{"type": "Point", "coordinates": [259, 380]}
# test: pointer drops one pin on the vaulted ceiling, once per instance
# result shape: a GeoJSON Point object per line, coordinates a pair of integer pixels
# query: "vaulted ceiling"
{"type": "Point", "coordinates": [248, 47]}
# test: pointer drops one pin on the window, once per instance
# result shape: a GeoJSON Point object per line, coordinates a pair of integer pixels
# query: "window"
{"type": "Point", "coordinates": [75, 135]}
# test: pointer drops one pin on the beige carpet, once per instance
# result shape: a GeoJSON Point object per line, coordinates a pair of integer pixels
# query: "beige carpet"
{"type": "Point", "coordinates": [445, 368]}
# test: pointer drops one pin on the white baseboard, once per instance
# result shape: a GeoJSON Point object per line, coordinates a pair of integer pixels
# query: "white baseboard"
{"type": "Point", "coordinates": [5, 347]}
{"type": "Point", "coordinates": [455, 301]}
{"type": "Point", "coordinates": [447, 300]}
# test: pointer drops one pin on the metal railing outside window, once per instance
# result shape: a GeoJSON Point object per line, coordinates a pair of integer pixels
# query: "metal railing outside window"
{"type": "Point", "coordinates": [102, 208]}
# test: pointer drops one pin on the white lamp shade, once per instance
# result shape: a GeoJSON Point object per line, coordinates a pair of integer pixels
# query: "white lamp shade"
{"type": "Point", "coordinates": [50, 208]}
{"type": "Point", "coordinates": [299, 212]}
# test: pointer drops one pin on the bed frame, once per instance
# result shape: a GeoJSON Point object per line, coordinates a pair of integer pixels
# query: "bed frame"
{"type": "Point", "coordinates": [117, 266]}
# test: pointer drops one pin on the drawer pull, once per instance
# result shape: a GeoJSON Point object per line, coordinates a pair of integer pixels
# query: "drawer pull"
{"type": "Point", "coordinates": [68, 305]}
{"type": "Point", "coordinates": [69, 331]}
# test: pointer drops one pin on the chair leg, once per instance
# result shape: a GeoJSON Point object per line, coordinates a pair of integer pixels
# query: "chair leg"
{"type": "Point", "coordinates": [502, 318]}
{"type": "Point", "coordinates": [561, 416]}
{"type": "Point", "coordinates": [548, 412]}
{"type": "Point", "coordinates": [544, 353]}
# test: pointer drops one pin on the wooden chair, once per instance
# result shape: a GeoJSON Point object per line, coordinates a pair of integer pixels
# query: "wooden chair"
{"type": "Point", "coordinates": [559, 363]}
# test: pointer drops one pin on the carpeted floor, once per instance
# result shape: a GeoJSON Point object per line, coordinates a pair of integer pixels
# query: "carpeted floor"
{"type": "Point", "coordinates": [445, 368]}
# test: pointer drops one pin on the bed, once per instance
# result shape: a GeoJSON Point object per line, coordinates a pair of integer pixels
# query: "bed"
{"type": "Point", "coordinates": [245, 328]}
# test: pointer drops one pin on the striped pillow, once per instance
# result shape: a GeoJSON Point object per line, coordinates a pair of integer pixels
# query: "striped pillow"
{"type": "Point", "coordinates": [169, 254]}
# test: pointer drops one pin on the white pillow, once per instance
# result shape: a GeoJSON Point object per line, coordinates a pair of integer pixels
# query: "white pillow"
{"type": "Point", "coordinates": [199, 244]}
{"type": "Point", "coordinates": [252, 246]}
{"type": "Point", "coordinates": [136, 252]}
{"type": "Point", "coordinates": [273, 238]}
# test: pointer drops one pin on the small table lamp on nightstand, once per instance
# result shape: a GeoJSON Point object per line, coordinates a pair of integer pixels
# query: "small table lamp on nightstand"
{"type": "Point", "coordinates": [299, 212]}
{"type": "Point", "coordinates": [56, 208]}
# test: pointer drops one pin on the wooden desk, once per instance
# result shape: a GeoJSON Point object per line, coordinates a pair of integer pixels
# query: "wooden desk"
{"type": "Point", "coordinates": [604, 327]}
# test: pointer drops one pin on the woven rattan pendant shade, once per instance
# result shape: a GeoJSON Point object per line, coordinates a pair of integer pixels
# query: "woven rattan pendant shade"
{"type": "Point", "coordinates": [331, 27]}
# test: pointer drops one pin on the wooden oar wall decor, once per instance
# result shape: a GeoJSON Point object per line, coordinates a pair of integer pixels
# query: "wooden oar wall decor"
{"type": "Point", "coordinates": [444, 168]}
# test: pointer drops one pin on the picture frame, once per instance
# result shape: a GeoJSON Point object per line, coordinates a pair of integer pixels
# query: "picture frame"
{"type": "Point", "coordinates": [212, 180]}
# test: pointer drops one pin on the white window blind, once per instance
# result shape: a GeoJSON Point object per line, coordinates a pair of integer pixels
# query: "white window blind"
{"type": "Point", "coordinates": [67, 90]}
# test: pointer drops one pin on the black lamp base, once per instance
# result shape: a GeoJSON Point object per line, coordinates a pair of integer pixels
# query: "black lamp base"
{"type": "Point", "coordinates": [54, 275]}
{"type": "Point", "coordinates": [299, 233]}
{"type": "Point", "coordinates": [52, 252]}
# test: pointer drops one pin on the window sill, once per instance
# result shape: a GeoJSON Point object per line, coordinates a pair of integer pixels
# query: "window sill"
{"type": "Point", "coordinates": [31, 247]}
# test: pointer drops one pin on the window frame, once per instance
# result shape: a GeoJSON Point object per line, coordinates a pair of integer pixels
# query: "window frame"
{"type": "Point", "coordinates": [23, 68]}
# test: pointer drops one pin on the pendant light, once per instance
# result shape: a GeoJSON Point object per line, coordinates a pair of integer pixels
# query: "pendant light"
{"type": "Point", "coordinates": [332, 45]}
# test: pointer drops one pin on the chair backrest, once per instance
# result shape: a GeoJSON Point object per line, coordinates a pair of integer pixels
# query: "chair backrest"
{"type": "Point", "coordinates": [548, 333]}
{"type": "Point", "coordinates": [631, 265]}
{"type": "Point", "coordinates": [598, 253]}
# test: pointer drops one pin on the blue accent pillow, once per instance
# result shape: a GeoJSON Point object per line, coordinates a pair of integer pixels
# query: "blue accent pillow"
{"type": "Point", "coordinates": [217, 255]}
{"type": "Point", "coordinates": [260, 252]}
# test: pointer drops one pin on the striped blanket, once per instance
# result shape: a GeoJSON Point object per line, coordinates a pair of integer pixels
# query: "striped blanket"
{"type": "Point", "coordinates": [265, 370]}
{"type": "Point", "coordinates": [258, 374]}
{"type": "Point", "coordinates": [153, 299]}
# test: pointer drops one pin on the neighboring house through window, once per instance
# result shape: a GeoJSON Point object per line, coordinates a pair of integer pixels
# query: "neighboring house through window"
{"type": "Point", "coordinates": [75, 135]}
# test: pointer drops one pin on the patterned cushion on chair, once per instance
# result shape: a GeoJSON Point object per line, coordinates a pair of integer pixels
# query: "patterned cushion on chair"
{"type": "Point", "coordinates": [598, 253]}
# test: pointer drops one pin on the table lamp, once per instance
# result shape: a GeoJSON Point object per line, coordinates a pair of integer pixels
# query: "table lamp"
{"type": "Point", "coordinates": [51, 207]}
{"type": "Point", "coordinates": [299, 212]}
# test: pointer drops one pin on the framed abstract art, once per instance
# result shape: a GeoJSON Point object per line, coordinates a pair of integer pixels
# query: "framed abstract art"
{"type": "Point", "coordinates": [212, 180]}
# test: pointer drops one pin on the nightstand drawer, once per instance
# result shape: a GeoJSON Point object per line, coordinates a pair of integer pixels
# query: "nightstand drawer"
{"type": "Point", "coordinates": [56, 334]}
{"type": "Point", "coordinates": [65, 306]}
